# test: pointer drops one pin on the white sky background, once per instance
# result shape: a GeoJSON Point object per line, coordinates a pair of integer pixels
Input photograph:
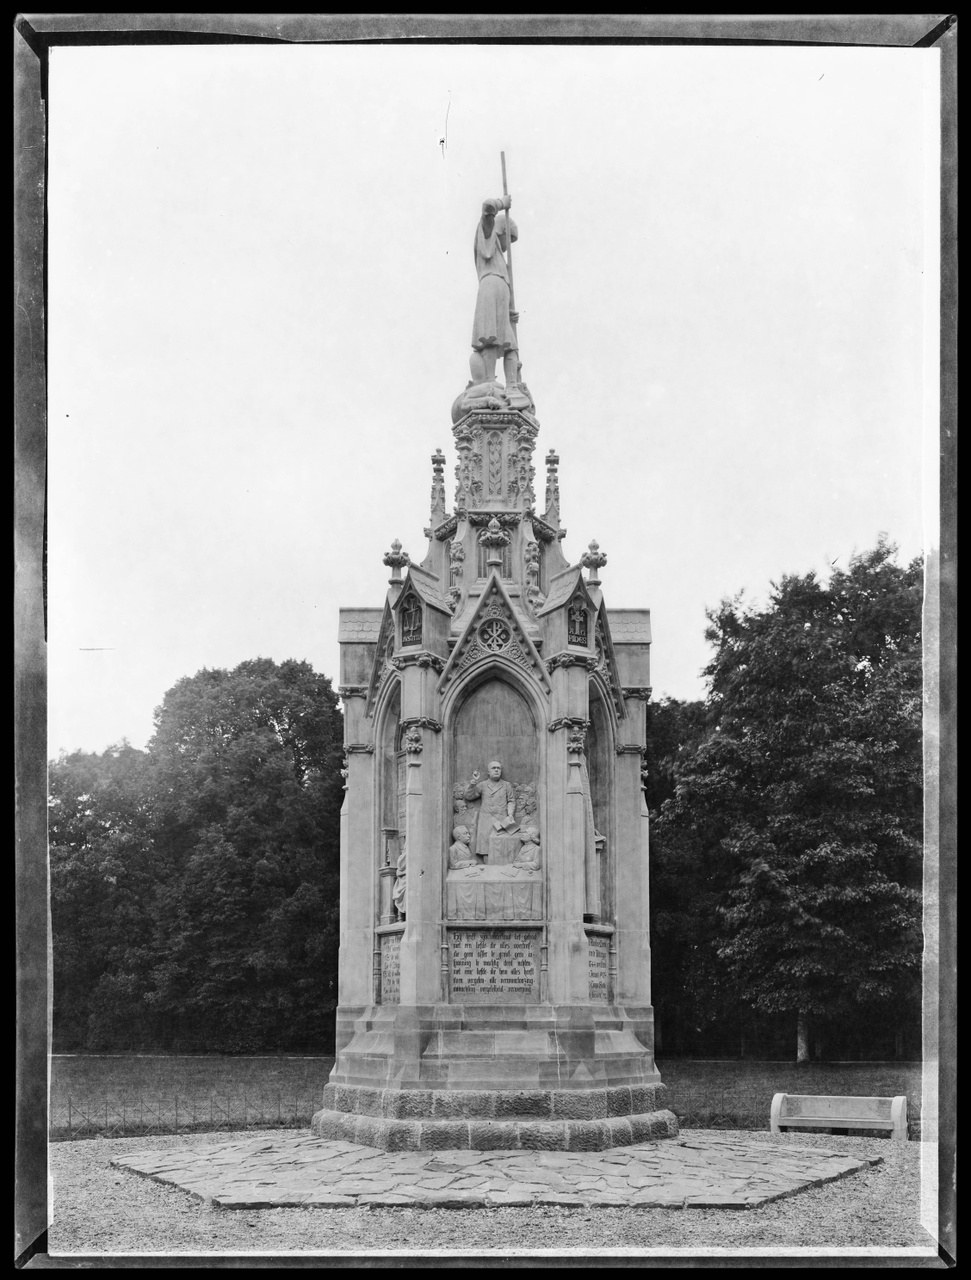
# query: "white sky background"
{"type": "Point", "coordinates": [261, 298]}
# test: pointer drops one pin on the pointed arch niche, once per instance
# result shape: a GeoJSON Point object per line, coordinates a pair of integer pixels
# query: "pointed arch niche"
{"type": "Point", "coordinates": [392, 801]}
{"type": "Point", "coordinates": [494, 721]}
{"type": "Point", "coordinates": [600, 760]}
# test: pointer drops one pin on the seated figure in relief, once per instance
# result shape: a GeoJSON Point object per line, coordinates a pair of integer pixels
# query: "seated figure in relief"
{"type": "Point", "coordinates": [459, 854]}
{"type": "Point", "coordinates": [527, 859]}
{"type": "Point", "coordinates": [529, 854]}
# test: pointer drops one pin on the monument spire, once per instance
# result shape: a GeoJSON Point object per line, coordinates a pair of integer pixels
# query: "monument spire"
{"type": "Point", "coordinates": [494, 834]}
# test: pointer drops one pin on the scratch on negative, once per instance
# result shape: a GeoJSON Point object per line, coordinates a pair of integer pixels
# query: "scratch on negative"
{"type": "Point", "coordinates": [30, 327]}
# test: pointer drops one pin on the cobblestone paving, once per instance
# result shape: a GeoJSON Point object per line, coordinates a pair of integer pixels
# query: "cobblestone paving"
{"type": "Point", "coordinates": [300, 1170]}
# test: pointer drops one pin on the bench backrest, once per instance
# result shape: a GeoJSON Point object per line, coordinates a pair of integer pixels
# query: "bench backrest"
{"type": "Point", "coordinates": [800, 1104]}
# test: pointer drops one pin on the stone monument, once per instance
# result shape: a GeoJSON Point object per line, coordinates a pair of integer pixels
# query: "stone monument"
{"type": "Point", "coordinates": [495, 975]}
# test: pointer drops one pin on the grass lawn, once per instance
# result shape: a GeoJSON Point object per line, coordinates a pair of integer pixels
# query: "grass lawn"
{"type": "Point", "coordinates": [738, 1095]}
{"type": "Point", "coordinates": [121, 1095]}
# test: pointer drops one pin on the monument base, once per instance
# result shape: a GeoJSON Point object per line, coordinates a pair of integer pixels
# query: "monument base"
{"type": "Point", "coordinates": [495, 1077]}
{"type": "Point", "coordinates": [495, 1119]}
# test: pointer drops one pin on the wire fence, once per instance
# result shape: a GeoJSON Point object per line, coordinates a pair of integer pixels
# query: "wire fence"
{"type": "Point", "coordinates": [108, 1117]}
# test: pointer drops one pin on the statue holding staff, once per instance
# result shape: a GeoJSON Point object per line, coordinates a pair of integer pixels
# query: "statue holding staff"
{"type": "Point", "coordinates": [493, 326]}
{"type": "Point", "coordinates": [494, 336]}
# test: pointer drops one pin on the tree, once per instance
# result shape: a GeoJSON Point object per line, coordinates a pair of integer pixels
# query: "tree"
{"type": "Point", "coordinates": [685, 973]}
{"type": "Point", "coordinates": [805, 795]}
{"type": "Point", "coordinates": [101, 884]}
{"type": "Point", "coordinates": [248, 791]}
{"type": "Point", "coordinates": [195, 885]}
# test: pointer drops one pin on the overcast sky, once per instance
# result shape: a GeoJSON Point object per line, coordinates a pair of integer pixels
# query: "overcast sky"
{"type": "Point", "coordinates": [261, 296]}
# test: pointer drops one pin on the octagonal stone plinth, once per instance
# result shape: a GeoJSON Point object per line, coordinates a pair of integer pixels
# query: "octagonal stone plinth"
{"type": "Point", "coordinates": [492, 1120]}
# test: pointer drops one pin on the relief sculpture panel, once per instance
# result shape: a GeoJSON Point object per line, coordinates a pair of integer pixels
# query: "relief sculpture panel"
{"type": "Point", "coordinates": [494, 866]}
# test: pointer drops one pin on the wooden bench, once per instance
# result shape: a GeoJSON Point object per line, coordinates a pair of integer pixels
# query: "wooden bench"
{"type": "Point", "coordinates": [802, 1111]}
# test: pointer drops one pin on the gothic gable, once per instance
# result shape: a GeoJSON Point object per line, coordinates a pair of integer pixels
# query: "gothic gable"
{"type": "Point", "coordinates": [426, 587]}
{"type": "Point", "coordinates": [382, 656]}
{"type": "Point", "coordinates": [493, 632]}
{"type": "Point", "coordinates": [606, 668]}
{"type": "Point", "coordinates": [563, 588]}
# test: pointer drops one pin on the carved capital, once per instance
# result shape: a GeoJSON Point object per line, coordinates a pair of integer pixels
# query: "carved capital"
{"type": "Point", "coordinates": [641, 692]}
{"type": "Point", "coordinates": [631, 749]}
{"type": "Point", "coordinates": [426, 659]}
{"type": "Point", "coordinates": [422, 659]}
{"type": "Point", "coordinates": [359, 748]}
{"type": "Point", "coordinates": [568, 722]}
{"type": "Point", "coordinates": [567, 659]}
{"type": "Point", "coordinates": [421, 722]}
{"type": "Point", "coordinates": [346, 691]}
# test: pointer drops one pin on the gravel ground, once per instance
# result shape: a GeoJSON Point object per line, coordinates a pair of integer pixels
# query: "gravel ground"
{"type": "Point", "coordinates": [96, 1209]}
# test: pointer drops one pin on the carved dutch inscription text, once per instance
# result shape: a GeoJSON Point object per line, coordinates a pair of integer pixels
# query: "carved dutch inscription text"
{"type": "Point", "coordinates": [493, 965]}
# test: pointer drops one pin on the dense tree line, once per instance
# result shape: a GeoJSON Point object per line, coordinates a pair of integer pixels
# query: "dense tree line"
{"type": "Point", "coordinates": [787, 841]}
{"type": "Point", "coordinates": [194, 886]}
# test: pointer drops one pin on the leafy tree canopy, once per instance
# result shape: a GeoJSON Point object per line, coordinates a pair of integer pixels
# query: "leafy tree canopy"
{"type": "Point", "coordinates": [798, 817]}
{"type": "Point", "coordinates": [223, 837]}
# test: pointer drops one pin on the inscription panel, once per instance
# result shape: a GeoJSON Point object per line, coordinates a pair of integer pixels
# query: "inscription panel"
{"type": "Point", "coordinates": [493, 966]}
{"type": "Point", "coordinates": [390, 968]}
{"type": "Point", "coordinates": [599, 955]}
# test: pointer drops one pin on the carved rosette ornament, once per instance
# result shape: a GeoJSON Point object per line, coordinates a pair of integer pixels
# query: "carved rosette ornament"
{"type": "Point", "coordinates": [495, 633]}
{"type": "Point", "coordinates": [577, 740]}
{"type": "Point", "coordinates": [411, 740]}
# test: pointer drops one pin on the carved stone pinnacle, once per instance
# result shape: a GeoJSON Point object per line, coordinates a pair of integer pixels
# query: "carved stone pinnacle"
{"type": "Point", "coordinates": [494, 535]}
{"type": "Point", "coordinates": [593, 560]}
{"type": "Point", "coordinates": [396, 560]}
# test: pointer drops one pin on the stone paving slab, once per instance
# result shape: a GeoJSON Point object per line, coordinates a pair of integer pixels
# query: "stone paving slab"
{"type": "Point", "coordinates": [300, 1170]}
